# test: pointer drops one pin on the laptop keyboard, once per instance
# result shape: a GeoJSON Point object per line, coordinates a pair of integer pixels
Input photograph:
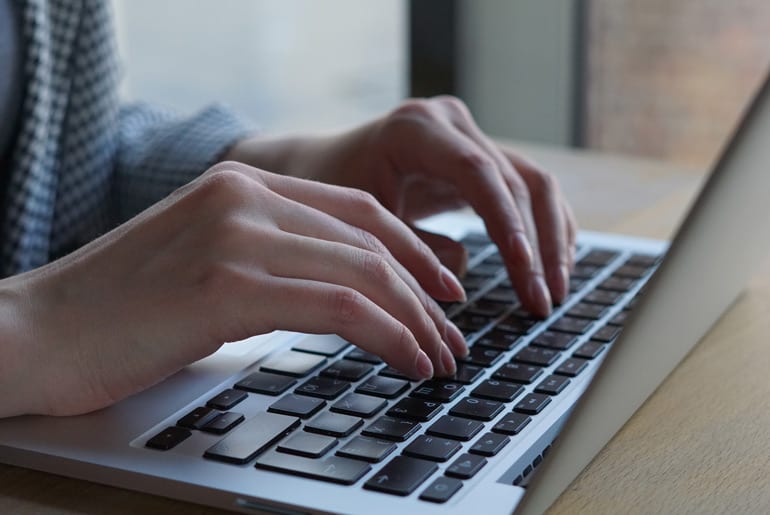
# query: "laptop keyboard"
{"type": "Point", "coordinates": [337, 412]}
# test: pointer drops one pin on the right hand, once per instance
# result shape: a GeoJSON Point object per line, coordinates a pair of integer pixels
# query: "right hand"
{"type": "Point", "coordinates": [235, 253]}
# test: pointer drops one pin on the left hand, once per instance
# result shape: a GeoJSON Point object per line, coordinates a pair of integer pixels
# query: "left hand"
{"type": "Point", "coordinates": [429, 156]}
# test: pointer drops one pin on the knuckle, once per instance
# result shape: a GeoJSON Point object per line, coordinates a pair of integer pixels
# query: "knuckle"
{"type": "Point", "coordinates": [376, 268]}
{"type": "Point", "coordinates": [347, 305]}
{"type": "Point", "coordinates": [543, 183]}
{"type": "Point", "coordinates": [226, 185]}
{"type": "Point", "coordinates": [363, 202]}
{"type": "Point", "coordinates": [216, 279]}
{"type": "Point", "coordinates": [413, 108]}
{"type": "Point", "coordinates": [454, 104]}
{"type": "Point", "coordinates": [372, 243]}
{"type": "Point", "coordinates": [475, 162]}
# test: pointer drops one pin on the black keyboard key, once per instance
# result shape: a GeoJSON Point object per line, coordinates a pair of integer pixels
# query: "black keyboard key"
{"type": "Point", "coordinates": [607, 333]}
{"type": "Point", "coordinates": [268, 384]}
{"type": "Point", "coordinates": [631, 271]}
{"type": "Point", "coordinates": [325, 345]}
{"type": "Point", "coordinates": [571, 367]}
{"type": "Point", "coordinates": [614, 283]}
{"type": "Point", "coordinates": [307, 444]}
{"type": "Point", "coordinates": [532, 404]}
{"type": "Point", "coordinates": [198, 418]}
{"type": "Point", "coordinates": [470, 323]}
{"type": "Point", "coordinates": [323, 387]}
{"type": "Point", "coordinates": [619, 319]}
{"type": "Point", "coordinates": [585, 271]}
{"type": "Point", "coordinates": [224, 423]}
{"type": "Point", "coordinates": [552, 385]}
{"type": "Point", "coordinates": [297, 405]}
{"type": "Point", "coordinates": [501, 295]}
{"type": "Point", "coordinates": [362, 355]}
{"type": "Point", "coordinates": [536, 356]}
{"type": "Point", "coordinates": [401, 476]}
{"type": "Point", "coordinates": [168, 438]}
{"type": "Point", "coordinates": [479, 409]}
{"type": "Point", "coordinates": [358, 405]}
{"type": "Point", "coordinates": [415, 409]}
{"type": "Point", "coordinates": [391, 428]}
{"type": "Point", "coordinates": [587, 310]}
{"type": "Point", "coordinates": [333, 424]}
{"type": "Point", "coordinates": [516, 325]}
{"type": "Point", "coordinates": [347, 370]}
{"type": "Point", "coordinates": [368, 449]}
{"type": "Point", "coordinates": [466, 466]}
{"type": "Point", "coordinates": [334, 469]}
{"type": "Point", "coordinates": [576, 284]}
{"type": "Point", "coordinates": [466, 373]}
{"type": "Point", "coordinates": [441, 490]}
{"type": "Point", "coordinates": [571, 325]}
{"type": "Point", "coordinates": [386, 387]}
{"type": "Point", "coordinates": [455, 428]}
{"type": "Point", "coordinates": [589, 350]}
{"type": "Point", "coordinates": [484, 308]}
{"type": "Point", "coordinates": [227, 399]}
{"type": "Point", "coordinates": [482, 356]}
{"type": "Point", "coordinates": [498, 340]}
{"type": "Point", "coordinates": [518, 373]}
{"type": "Point", "coordinates": [293, 363]}
{"type": "Point", "coordinates": [251, 438]}
{"type": "Point", "coordinates": [553, 340]}
{"type": "Point", "coordinates": [497, 390]}
{"type": "Point", "coordinates": [598, 257]}
{"type": "Point", "coordinates": [512, 424]}
{"type": "Point", "coordinates": [394, 372]}
{"type": "Point", "coordinates": [490, 444]}
{"type": "Point", "coordinates": [435, 390]}
{"type": "Point", "coordinates": [604, 297]}
{"type": "Point", "coordinates": [644, 260]}
{"type": "Point", "coordinates": [432, 448]}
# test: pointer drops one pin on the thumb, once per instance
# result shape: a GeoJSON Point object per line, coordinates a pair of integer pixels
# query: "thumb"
{"type": "Point", "coordinates": [450, 252]}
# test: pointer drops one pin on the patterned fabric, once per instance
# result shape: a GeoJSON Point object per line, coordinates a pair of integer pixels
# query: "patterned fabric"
{"type": "Point", "coordinates": [81, 163]}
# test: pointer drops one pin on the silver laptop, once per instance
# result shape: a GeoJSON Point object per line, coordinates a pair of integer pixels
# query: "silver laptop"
{"type": "Point", "coordinates": [296, 423]}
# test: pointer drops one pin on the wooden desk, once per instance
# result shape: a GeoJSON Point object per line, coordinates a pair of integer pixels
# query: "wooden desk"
{"type": "Point", "coordinates": [701, 444]}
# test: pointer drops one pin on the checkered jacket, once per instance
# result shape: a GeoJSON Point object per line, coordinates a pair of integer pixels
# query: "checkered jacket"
{"type": "Point", "coordinates": [82, 163]}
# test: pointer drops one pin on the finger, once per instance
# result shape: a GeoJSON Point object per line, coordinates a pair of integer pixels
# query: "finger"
{"type": "Point", "coordinates": [451, 253]}
{"type": "Point", "coordinates": [360, 209]}
{"type": "Point", "coordinates": [304, 220]}
{"type": "Point", "coordinates": [316, 307]}
{"type": "Point", "coordinates": [364, 271]}
{"type": "Point", "coordinates": [552, 227]}
{"type": "Point", "coordinates": [572, 230]}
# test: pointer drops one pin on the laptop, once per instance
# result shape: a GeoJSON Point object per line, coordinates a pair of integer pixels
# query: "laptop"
{"type": "Point", "coordinates": [297, 423]}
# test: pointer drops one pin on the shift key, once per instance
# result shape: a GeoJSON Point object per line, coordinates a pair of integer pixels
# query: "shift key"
{"type": "Point", "coordinates": [251, 438]}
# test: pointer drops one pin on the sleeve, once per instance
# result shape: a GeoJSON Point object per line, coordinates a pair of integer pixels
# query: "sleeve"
{"type": "Point", "coordinates": [158, 152]}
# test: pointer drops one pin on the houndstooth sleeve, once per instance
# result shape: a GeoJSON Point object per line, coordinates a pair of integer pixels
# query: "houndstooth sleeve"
{"type": "Point", "coordinates": [158, 152]}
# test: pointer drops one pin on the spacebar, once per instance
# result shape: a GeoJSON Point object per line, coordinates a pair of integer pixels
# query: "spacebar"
{"type": "Point", "coordinates": [252, 437]}
{"type": "Point", "coordinates": [334, 469]}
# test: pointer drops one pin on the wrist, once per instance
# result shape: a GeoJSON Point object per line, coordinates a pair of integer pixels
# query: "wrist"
{"type": "Point", "coordinates": [18, 374]}
{"type": "Point", "coordinates": [284, 155]}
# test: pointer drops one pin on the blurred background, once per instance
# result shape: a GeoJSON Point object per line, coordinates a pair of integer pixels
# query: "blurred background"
{"type": "Point", "coordinates": [664, 79]}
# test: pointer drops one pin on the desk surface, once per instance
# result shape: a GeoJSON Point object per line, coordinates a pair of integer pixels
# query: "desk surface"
{"type": "Point", "coordinates": [700, 444]}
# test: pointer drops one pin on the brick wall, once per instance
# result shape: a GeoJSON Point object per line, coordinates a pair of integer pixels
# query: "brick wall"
{"type": "Point", "coordinates": [669, 78]}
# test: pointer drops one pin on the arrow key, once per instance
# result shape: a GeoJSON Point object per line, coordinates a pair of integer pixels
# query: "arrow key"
{"type": "Point", "coordinates": [441, 490]}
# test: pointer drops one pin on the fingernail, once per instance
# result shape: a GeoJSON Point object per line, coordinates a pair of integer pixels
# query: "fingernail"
{"type": "Point", "coordinates": [424, 366]}
{"type": "Point", "coordinates": [524, 249]}
{"type": "Point", "coordinates": [538, 294]}
{"type": "Point", "coordinates": [559, 281]}
{"type": "Point", "coordinates": [448, 361]}
{"type": "Point", "coordinates": [456, 340]}
{"type": "Point", "coordinates": [452, 284]}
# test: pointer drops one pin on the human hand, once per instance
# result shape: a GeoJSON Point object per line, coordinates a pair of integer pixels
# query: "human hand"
{"type": "Point", "coordinates": [235, 253]}
{"type": "Point", "coordinates": [429, 156]}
